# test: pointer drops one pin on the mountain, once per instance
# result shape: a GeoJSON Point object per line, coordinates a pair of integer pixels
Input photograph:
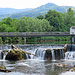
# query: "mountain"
{"type": "Point", "coordinates": [42, 10]}
{"type": "Point", "coordinates": [11, 10]}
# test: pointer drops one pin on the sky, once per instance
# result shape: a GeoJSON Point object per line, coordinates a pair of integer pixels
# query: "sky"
{"type": "Point", "coordinates": [22, 4]}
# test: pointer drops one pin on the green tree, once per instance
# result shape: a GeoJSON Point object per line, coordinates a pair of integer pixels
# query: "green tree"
{"type": "Point", "coordinates": [69, 18]}
{"type": "Point", "coordinates": [40, 17]}
{"type": "Point", "coordinates": [55, 19]}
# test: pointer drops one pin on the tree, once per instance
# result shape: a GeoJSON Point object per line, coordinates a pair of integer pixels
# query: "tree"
{"type": "Point", "coordinates": [55, 19]}
{"type": "Point", "coordinates": [23, 24]}
{"type": "Point", "coordinates": [40, 17]}
{"type": "Point", "coordinates": [46, 26]}
{"type": "Point", "coordinates": [69, 18]}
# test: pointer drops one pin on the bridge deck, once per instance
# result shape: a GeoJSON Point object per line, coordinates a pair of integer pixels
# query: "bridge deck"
{"type": "Point", "coordinates": [34, 34]}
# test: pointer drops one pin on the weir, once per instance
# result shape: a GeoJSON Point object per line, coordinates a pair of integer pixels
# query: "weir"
{"type": "Point", "coordinates": [47, 53]}
{"type": "Point", "coordinates": [40, 52]}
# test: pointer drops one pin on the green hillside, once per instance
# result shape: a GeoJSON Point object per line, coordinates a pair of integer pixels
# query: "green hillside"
{"type": "Point", "coordinates": [42, 10]}
{"type": "Point", "coordinates": [12, 10]}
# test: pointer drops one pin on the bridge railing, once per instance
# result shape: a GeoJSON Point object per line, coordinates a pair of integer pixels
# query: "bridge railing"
{"type": "Point", "coordinates": [13, 34]}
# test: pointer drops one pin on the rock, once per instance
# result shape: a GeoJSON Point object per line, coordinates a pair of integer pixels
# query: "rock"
{"type": "Point", "coordinates": [15, 55]}
{"type": "Point", "coordinates": [72, 69]}
{"type": "Point", "coordinates": [4, 51]}
{"type": "Point", "coordinates": [61, 65]}
{"type": "Point", "coordinates": [56, 53]}
{"type": "Point", "coordinates": [48, 55]}
{"type": "Point", "coordinates": [3, 69]}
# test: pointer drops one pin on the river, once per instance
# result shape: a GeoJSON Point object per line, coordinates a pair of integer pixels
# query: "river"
{"type": "Point", "coordinates": [36, 65]}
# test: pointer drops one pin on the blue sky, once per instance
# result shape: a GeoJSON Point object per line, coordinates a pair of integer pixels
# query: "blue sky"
{"type": "Point", "coordinates": [21, 4]}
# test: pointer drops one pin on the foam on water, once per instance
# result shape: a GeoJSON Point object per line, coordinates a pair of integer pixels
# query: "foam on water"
{"type": "Point", "coordinates": [23, 64]}
{"type": "Point", "coordinates": [11, 73]}
{"type": "Point", "coordinates": [70, 55]}
{"type": "Point", "coordinates": [68, 73]}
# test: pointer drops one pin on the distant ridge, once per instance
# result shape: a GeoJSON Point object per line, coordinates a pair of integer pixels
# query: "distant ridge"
{"type": "Point", "coordinates": [12, 10]}
{"type": "Point", "coordinates": [42, 10]}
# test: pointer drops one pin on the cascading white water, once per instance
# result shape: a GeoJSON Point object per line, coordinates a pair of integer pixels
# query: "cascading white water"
{"type": "Point", "coordinates": [43, 56]}
{"type": "Point", "coordinates": [70, 55]}
{"type": "Point", "coordinates": [40, 53]}
{"type": "Point", "coordinates": [62, 53]}
{"type": "Point", "coordinates": [0, 53]}
{"type": "Point", "coordinates": [4, 56]}
{"type": "Point", "coordinates": [27, 56]}
{"type": "Point", "coordinates": [53, 55]}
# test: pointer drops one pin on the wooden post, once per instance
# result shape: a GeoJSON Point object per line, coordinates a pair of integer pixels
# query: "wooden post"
{"type": "Point", "coordinates": [24, 40]}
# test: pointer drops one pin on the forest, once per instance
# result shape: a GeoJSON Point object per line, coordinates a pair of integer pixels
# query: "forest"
{"type": "Point", "coordinates": [53, 21]}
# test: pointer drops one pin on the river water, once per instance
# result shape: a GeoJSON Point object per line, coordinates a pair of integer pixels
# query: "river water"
{"type": "Point", "coordinates": [36, 65]}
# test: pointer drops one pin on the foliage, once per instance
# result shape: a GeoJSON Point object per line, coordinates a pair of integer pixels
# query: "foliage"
{"type": "Point", "coordinates": [40, 17]}
{"type": "Point", "coordinates": [26, 24]}
{"type": "Point", "coordinates": [52, 22]}
{"type": "Point", "coordinates": [69, 18]}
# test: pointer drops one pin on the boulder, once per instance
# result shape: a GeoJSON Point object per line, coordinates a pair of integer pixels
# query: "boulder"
{"type": "Point", "coordinates": [72, 69]}
{"type": "Point", "coordinates": [15, 55]}
{"type": "Point", "coordinates": [61, 65]}
{"type": "Point", "coordinates": [48, 55]}
{"type": "Point", "coordinates": [3, 69]}
{"type": "Point", "coordinates": [56, 53]}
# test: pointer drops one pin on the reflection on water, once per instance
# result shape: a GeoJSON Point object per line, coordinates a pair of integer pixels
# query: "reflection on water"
{"type": "Point", "coordinates": [68, 73]}
{"type": "Point", "coordinates": [32, 67]}
{"type": "Point", "coordinates": [12, 73]}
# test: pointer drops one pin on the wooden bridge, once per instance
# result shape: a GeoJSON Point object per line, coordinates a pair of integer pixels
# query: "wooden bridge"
{"type": "Point", "coordinates": [34, 34]}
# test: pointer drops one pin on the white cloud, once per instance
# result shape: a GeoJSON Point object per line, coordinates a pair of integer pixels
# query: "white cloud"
{"type": "Point", "coordinates": [33, 3]}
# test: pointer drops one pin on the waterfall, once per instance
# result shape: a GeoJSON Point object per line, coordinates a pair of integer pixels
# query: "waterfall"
{"type": "Point", "coordinates": [70, 55]}
{"type": "Point", "coordinates": [53, 55]}
{"type": "Point", "coordinates": [4, 55]}
{"type": "Point", "coordinates": [27, 56]}
{"type": "Point", "coordinates": [61, 54]}
{"type": "Point", "coordinates": [0, 54]}
{"type": "Point", "coordinates": [32, 57]}
{"type": "Point", "coordinates": [43, 54]}
{"type": "Point", "coordinates": [40, 53]}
